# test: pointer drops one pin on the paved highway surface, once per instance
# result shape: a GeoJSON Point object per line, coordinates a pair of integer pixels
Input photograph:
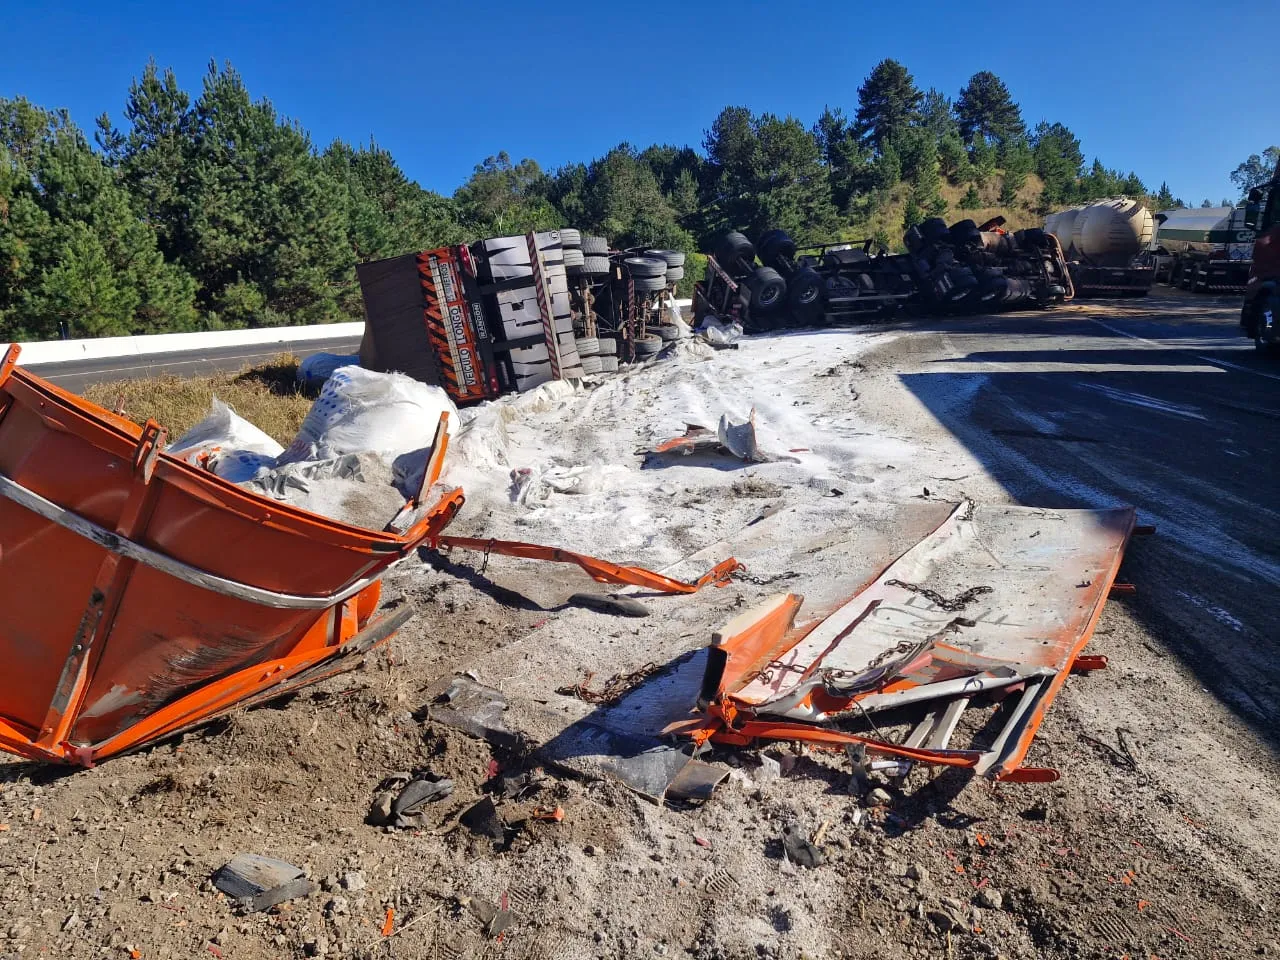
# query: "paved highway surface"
{"type": "Point", "coordinates": [76, 375]}
{"type": "Point", "coordinates": [1159, 403]}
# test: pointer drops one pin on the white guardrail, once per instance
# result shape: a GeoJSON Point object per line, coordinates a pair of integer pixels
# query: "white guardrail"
{"type": "Point", "coordinates": [107, 348]}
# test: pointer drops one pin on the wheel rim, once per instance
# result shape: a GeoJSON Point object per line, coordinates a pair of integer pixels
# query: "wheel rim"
{"type": "Point", "coordinates": [769, 295]}
{"type": "Point", "coordinates": [808, 296]}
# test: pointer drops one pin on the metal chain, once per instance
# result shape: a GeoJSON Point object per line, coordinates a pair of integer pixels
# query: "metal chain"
{"type": "Point", "coordinates": [742, 575]}
{"type": "Point", "coordinates": [952, 605]}
{"type": "Point", "coordinates": [614, 689]}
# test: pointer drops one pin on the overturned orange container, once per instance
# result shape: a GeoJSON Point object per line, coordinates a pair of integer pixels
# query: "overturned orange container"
{"type": "Point", "coordinates": [141, 594]}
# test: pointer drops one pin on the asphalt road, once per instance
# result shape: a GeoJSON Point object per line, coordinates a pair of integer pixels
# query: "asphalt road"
{"type": "Point", "coordinates": [1159, 403]}
{"type": "Point", "coordinates": [76, 375]}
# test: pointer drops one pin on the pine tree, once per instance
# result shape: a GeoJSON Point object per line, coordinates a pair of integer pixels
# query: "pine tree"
{"type": "Point", "coordinates": [887, 168]}
{"type": "Point", "coordinates": [74, 253]}
{"type": "Point", "coordinates": [954, 159]}
{"type": "Point", "coordinates": [848, 163]}
{"type": "Point", "coordinates": [888, 101]}
{"type": "Point", "coordinates": [985, 109]}
{"type": "Point", "coordinates": [1016, 160]}
{"type": "Point", "coordinates": [911, 214]}
{"type": "Point", "coordinates": [506, 198]}
{"type": "Point", "coordinates": [983, 157]}
{"type": "Point", "coordinates": [266, 225]}
{"type": "Point", "coordinates": [936, 115]}
{"type": "Point", "coordinates": [971, 200]}
{"type": "Point", "coordinates": [153, 156]}
{"type": "Point", "coordinates": [1058, 157]}
{"type": "Point", "coordinates": [927, 189]}
{"type": "Point", "coordinates": [1164, 199]}
{"type": "Point", "coordinates": [767, 172]}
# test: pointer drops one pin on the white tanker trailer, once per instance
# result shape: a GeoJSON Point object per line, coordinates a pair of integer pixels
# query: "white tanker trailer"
{"type": "Point", "coordinates": [1106, 244]}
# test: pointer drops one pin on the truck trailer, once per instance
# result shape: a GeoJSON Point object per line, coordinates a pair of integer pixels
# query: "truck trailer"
{"type": "Point", "coordinates": [1206, 250]}
{"type": "Point", "coordinates": [1106, 243]}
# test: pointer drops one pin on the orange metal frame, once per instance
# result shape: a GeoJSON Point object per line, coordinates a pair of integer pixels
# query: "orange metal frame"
{"type": "Point", "coordinates": [754, 639]}
{"type": "Point", "coordinates": [162, 565]}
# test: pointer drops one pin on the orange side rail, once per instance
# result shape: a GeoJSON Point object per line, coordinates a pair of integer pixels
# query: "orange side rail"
{"type": "Point", "coordinates": [744, 733]}
{"type": "Point", "coordinates": [601, 571]}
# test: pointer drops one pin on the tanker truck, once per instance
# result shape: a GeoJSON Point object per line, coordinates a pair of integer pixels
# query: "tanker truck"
{"type": "Point", "coordinates": [1106, 246]}
{"type": "Point", "coordinates": [1208, 250]}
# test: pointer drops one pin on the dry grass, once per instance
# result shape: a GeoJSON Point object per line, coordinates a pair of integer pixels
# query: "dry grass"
{"type": "Point", "coordinates": [267, 396]}
{"type": "Point", "coordinates": [1019, 214]}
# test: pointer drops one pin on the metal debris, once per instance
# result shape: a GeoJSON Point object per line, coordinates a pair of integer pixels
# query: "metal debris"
{"type": "Point", "coordinates": [614, 689]}
{"type": "Point", "coordinates": [259, 883]}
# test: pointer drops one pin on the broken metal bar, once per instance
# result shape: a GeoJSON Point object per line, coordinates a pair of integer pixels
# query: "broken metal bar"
{"type": "Point", "coordinates": [1088, 662]}
{"type": "Point", "coordinates": [920, 732]}
{"type": "Point", "coordinates": [967, 686]}
{"type": "Point", "coordinates": [601, 571]}
{"type": "Point", "coordinates": [943, 730]}
{"type": "Point", "coordinates": [1014, 725]}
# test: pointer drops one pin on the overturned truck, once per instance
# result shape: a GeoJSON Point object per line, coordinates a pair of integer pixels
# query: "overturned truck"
{"type": "Point", "coordinates": [964, 268]}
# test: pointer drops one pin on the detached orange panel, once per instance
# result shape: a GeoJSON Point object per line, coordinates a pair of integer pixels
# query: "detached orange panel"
{"type": "Point", "coordinates": [122, 595]}
{"type": "Point", "coordinates": [744, 645]}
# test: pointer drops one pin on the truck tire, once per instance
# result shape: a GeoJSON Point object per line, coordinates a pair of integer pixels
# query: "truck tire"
{"type": "Point", "coordinates": [650, 284]}
{"type": "Point", "coordinates": [666, 332]}
{"type": "Point", "coordinates": [1267, 302]}
{"type": "Point", "coordinates": [606, 347]}
{"type": "Point", "coordinates": [587, 346]}
{"type": "Point", "coordinates": [570, 237]}
{"type": "Point", "coordinates": [673, 258]}
{"type": "Point", "coordinates": [777, 249]}
{"type": "Point", "coordinates": [594, 266]}
{"type": "Point", "coordinates": [734, 247]}
{"type": "Point", "coordinates": [649, 345]}
{"type": "Point", "coordinates": [573, 258]}
{"type": "Point", "coordinates": [768, 290]}
{"type": "Point", "coordinates": [935, 230]}
{"type": "Point", "coordinates": [965, 231]}
{"type": "Point", "coordinates": [608, 364]}
{"type": "Point", "coordinates": [645, 266]}
{"type": "Point", "coordinates": [675, 274]}
{"type": "Point", "coordinates": [804, 293]}
{"type": "Point", "coordinates": [595, 246]}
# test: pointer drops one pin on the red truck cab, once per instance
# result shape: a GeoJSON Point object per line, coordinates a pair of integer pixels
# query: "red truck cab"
{"type": "Point", "coordinates": [1260, 315]}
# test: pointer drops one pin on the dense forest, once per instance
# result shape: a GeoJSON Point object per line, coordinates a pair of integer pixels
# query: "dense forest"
{"type": "Point", "coordinates": [213, 211]}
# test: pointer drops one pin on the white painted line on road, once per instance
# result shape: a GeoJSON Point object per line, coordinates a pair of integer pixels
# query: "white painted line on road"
{"type": "Point", "coordinates": [1236, 366]}
{"type": "Point", "coordinates": [1161, 346]}
{"type": "Point", "coordinates": [1142, 400]}
{"type": "Point", "coordinates": [1126, 333]}
{"type": "Point", "coordinates": [168, 363]}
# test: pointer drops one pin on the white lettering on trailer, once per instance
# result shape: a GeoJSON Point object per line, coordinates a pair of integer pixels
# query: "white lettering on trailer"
{"type": "Point", "coordinates": [438, 270]}
{"type": "Point", "coordinates": [477, 321]}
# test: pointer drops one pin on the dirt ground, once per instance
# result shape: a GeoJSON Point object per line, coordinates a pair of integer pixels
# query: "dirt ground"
{"type": "Point", "coordinates": [1160, 840]}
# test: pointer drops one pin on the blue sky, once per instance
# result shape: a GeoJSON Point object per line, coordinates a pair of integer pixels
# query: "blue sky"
{"type": "Point", "coordinates": [1177, 91]}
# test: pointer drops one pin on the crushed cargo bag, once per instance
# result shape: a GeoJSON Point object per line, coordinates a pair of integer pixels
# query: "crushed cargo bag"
{"type": "Point", "coordinates": [228, 445]}
{"type": "Point", "coordinates": [319, 367]}
{"type": "Point", "coordinates": [361, 411]}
